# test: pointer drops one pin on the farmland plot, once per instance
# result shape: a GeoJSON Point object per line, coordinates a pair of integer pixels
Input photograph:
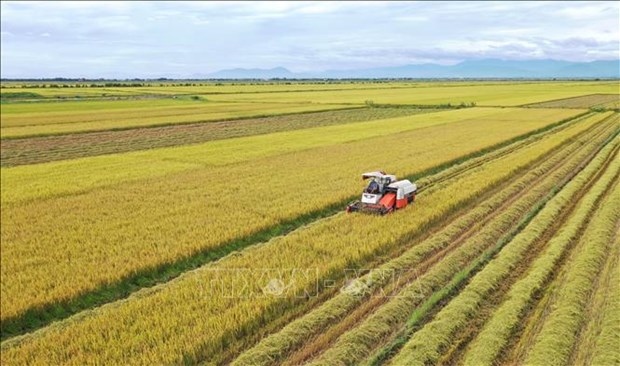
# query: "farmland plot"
{"type": "Point", "coordinates": [585, 101]}
{"type": "Point", "coordinates": [320, 242]}
{"type": "Point", "coordinates": [145, 233]}
{"type": "Point", "coordinates": [222, 239]}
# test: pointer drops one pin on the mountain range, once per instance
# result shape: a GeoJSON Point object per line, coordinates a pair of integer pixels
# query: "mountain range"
{"type": "Point", "coordinates": [483, 68]}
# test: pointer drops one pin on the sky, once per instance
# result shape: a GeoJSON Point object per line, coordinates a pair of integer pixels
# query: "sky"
{"type": "Point", "coordinates": [191, 39]}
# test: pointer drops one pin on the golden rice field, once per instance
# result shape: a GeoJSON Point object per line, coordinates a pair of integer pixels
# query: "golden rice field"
{"type": "Point", "coordinates": [233, 247]}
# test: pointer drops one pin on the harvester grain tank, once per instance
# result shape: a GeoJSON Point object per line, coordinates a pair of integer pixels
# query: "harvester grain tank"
{"type": "Point", "coordinates": [384, 194]}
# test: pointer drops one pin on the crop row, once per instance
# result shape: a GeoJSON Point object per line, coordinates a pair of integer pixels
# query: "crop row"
{"type": "Point", "coordinates": [425, 346]}
{"type": "Point", "coordinates": [359, 342]}
{"type": "Point", "coordinates": [600, 335]}
{"type": "Point", "coordinates": [497, 331]}
{"type": "Point", "coordinates": [428, 305]}
{"type": "Point", "coordinates": [275, 347]}
{"type": "Point", "coordinates": [53, 148]}
{"type": "Point", "coordinates": [603, 122]}
{"type": "Point", "coordinates": [194, 319]}
{"type": "Point", "coordinates": [444, 339]}
{"type": "Point", "coordinates": [58, 248]}
{"type": "Point", "coordinates": [553, 345]}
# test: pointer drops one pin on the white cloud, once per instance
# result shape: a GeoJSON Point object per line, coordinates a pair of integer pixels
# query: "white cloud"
{"type": "Point", "coordinates": [171, 38]}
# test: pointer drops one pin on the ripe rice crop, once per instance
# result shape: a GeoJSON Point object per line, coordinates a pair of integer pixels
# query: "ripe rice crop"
{"type": "Point", "coordinates": [605, 351]}
{"type": "Point", "coordinates": [584, 101]}
{"type": "Point", "coordinates": [42, 119]}
{"type": "Point", "coordinates": [171, 222]}
{"type": "Point", "coordinates": [74, 176]}
{"type": "Point", "coordinates": [189, 321]}
{"type": "Point", "coordinates": [124, 231]}
{"type": "Point", "coordinates": [61, 147]}
{"type": "Point", "coordinates": [500, 94]}
{"type": "Point", "coordinates": [357, 343]}
{"type": "Point", "coordinates": [271, 349]}
{"type": "Point", "coordinates": [167, 89]}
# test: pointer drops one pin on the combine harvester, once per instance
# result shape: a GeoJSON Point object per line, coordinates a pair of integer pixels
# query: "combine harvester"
{"type": "Point", "coordinates": [384, 194]}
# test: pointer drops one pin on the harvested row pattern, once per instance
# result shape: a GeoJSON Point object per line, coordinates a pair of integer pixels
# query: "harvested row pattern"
{"type": "Point", "coordinates": [52, 148]}
{"type": "Point", "coordinates": [359, 342]}
{"type": "Point", "coordinates": [554, 343]}
{"type": "Point", "coordinates": [584, 101]}
{"type": "Point", "coordinates": [76, 176]}
{"type": "Point", "coordinates": [422, 255]}
{"type": "Point", "coordinates": [195, 322]}
{"type": "Point", "coordinates": [495, 335]}
{"type": "Point", "coordinates": [124, 232]}
{"type": "Point", "coordinates": [74, 117]}
{"type": "Point", "coordinates": [542, 304]}
{"type": "Point", "coordinates": [599, 337]}
{"type": "Point", "coordinates": [428, 344]}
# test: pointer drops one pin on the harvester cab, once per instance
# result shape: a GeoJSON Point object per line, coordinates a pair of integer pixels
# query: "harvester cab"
{"type": "Point", "coordinates": [383, 194]}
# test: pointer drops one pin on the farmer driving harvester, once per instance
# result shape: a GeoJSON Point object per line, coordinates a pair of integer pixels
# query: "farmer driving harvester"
{"type": "Point", "coordinates": [384, 194]}
{"type": "Point", "coordinates": [373, 186]}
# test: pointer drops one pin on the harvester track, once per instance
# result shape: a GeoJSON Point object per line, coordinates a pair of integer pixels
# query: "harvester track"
{"type": "Point", "coordinates": [328, 337]}
{"type": "Point", "coordinates": [453, 356]}
{"type": "Point", "coordinates": [533, 319]}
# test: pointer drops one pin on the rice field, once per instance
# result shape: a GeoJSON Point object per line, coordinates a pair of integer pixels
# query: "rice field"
{"type": "Point", "coordinates": [54, 118]}
{"type": "Point", "coordinates": [159, 228]}
{"type": "Point", "coordinates": [610, 101]}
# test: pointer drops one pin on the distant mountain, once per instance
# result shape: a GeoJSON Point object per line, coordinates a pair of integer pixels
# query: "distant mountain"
{"type": "Point", "coordinates": [484, 68]}
{"type": "Point", "coordinates": [277, 72]}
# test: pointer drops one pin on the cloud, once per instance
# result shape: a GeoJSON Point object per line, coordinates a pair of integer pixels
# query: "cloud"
{"type": "Point", "coordinates": [155, 39]}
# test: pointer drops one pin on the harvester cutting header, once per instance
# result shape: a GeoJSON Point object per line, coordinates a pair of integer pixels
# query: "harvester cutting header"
{"type": "Point", "coordinates": [384, 194]}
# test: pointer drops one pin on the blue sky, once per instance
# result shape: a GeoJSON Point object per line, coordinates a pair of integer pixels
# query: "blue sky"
{"type": "Point", "coordinates": [188, 39]}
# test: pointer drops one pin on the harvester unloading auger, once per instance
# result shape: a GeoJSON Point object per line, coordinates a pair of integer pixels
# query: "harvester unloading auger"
{"type": "Point", "coordinates": [384, 194]}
